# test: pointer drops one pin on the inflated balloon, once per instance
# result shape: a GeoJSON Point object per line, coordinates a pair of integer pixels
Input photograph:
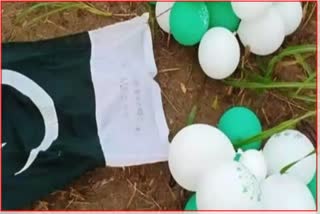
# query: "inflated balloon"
{"type": "Point", "coordinates": [286, 148]}
{"type": "Point", "coordinates": [219, 53]}
{"type": "Point", "coordinates": [264, 34]}
{"type": "Point", "coordinates": [194, 150]}
{"type": "Point", "coordinates": [313, 187]}
{"type": "Point", "coordinates": [189, 21]}
{"type": "Point", "coordinates": [240, 123]}
{"type": "Point", "coordinates": [229, 187]}
{"type": "Point", "coordinates": [255, 162]}
{"type": "Point", "coordinates": [250, 10]}
{"type": "Point", "coordinates": [221, 14]}
{"type": "Point", "coordinates": [284, 192]}
{"type": "Point", "coordinates": [192, 203]}
{"type": "Point", "coordinates": [162, 12]}
{"type": "Point", "coordinates": [291, 14]}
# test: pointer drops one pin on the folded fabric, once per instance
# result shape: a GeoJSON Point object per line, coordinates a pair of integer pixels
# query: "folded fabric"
{"type": "Point", "coordinates": [77, 102]}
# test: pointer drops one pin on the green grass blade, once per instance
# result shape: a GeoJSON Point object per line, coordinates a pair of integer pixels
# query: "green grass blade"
{"type": "Point", "coordinates": [311, 77]}
{"type": "Point", "coordinates": [192, 115]}
{"type": "Point", "coordinates": [88, 3]}
{"type": "Point", "coordinates": [34, 7]}
{"type": "Point", "coordinates": [271, 85]}
{"type": "Point", "coordinates": [309, 99]}
{"type": "Point", "coordinates": [58, 7]}
{"type": "Point", "coordinates": [286, 168]}
{"type": "Point", "coordinates": [303, 63]}
{"type": "Point", "coordinates": [33, 21]}
{"type": "Point", "coordinates": [282, 126]}
{"type": "Point", "coordinates": [215, 103]}
{"type": "Point", "coordinates": [92, 9]}
{"type": "Point", "coordinates": [300, 49]}
{"type": "Point", "coordinates": [152, 20]}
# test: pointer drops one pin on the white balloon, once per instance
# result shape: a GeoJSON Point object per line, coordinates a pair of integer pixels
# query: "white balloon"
{"type": "Point", "coordinates": [264, 35]}
{"type": "Point", "coordinates": [229, 187]}
{"type": "Point", "coordinates": [283, 192]}
{"type": "Point", "coordinates": [162, 12]}
{"type": "Point", "coordinates": [255, 162]}
{"type": "Point", "coordinates": [194, 150]}
{"type": "Point", "coordinates": [287, 147]}
{"type": "Point", "coordinates": [219, 53]}
{"type": "Point", "coordinates": [291, 14]}
{"type": "Point", "coordinates": [250, 10]}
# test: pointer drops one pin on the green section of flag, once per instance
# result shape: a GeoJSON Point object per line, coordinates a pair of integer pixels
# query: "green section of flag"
{"type": "Point", "coordinates": [61, 68]}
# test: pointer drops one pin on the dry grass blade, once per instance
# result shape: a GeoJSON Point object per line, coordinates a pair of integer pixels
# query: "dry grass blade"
{"type": "Point", "coordinates": [288, 101]}
{"type": "Point", "coordinates": [311, 13]}
{"type": "Point", "coordinates": [169, 70]}
{"type": "Point", "coordinates": [56, 7]}
{"type": "Point", "coordinates": [169, 101]}
{"type": "Point", "coordinates": [144, 195]}
{"type": "Point", "coordinates": [133, 195]}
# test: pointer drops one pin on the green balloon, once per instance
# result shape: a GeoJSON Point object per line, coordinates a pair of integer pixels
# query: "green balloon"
{"type": "Point", "coordinates": [313, 186]}
{"type": "Point", "coordinates": [221, 15]}
{"type": "Point", "coordinates": [240, 123]}
{"type": "Point", "coordinates": [192, 203]}
{"type": "Point", "coordinates": [189, 21]}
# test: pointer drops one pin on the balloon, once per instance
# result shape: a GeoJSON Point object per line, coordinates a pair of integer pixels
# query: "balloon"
{"type": "Point", "coordinates": [191, 204]}
{"type": "Point", "coordinates": [194, 150]}
{"type": "Point", "coordinates": [189, 21]}
{"type": "Point", "coordinates": [250, 10]}
{"type": "Point", "coordinates": [313, 187]}
{"type": "Point", "coordinates": [221, 15]}
{"type": "Point", "coordinates": [264, 35]}
{"type": "Point", "coordinates": [283, 192]}
{"type": "Point", "coordinates": [287, 147]}
{"type": "Point", "coordinates": [219, 53]}
{"type": "Point", "coordinates": [291, 14]}
{"type": "Point", "coordinates": [255, 162]}
{"type": "Point", "coordinates": [228, 187]}
{"type": "Point", "coordinates": [240, 123]}
{"type": "Point", "coordinates": [162, 13]}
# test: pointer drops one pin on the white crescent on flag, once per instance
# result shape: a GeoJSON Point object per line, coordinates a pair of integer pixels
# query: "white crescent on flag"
{"type": "Point", "coordinates": [43, 102]}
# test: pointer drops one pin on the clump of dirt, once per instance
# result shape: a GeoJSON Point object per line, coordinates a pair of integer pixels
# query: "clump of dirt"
{"type": "Point", "coordinates": [183, 86]}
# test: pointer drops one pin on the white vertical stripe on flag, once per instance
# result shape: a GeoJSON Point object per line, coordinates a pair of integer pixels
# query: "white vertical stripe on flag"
{"type": "Point", "coordinates": [129, 113]}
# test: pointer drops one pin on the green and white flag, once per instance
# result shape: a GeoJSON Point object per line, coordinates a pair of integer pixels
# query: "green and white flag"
{"type": "Point", "coordinates": [74, 103]}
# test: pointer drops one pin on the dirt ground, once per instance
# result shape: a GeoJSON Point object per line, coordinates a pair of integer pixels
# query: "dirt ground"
{"type": "Point", "coordinates": [183, 85]}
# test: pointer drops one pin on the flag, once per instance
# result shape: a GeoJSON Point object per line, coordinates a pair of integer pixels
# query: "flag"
{"type": "Point", "coordinates": [74, 103]}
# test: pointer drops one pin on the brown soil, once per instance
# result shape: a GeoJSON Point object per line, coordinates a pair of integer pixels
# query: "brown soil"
{"type": "Point", "coordinates": [183, 85]}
